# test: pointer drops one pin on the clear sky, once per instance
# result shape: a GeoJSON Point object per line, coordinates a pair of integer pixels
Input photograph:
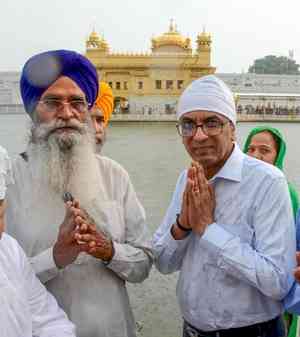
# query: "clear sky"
{"type": "Point", "coordinates": [241, 30]}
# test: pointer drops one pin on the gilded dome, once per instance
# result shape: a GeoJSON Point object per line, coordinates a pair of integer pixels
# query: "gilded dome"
{"type": "Point", "coordinates": [171, 38]}
{"type": "Point", "coordinates": [95, 41]}
{"type": "Point", "coordinates": [204, 37]}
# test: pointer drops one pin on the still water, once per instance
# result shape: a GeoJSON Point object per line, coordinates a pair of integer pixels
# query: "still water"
{"type": "Point", "coordinates": [153, 155]}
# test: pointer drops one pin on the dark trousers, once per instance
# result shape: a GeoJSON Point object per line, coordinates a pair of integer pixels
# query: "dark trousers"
{"type": "Point", "coordinates": [273, 328]}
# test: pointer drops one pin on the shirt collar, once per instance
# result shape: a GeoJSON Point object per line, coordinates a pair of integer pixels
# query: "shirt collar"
{"type": "Point", "coordinates": [232, 169]}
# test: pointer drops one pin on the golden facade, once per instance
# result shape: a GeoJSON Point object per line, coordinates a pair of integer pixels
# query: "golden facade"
{"type": "Point", "coordinates": [151, 83]}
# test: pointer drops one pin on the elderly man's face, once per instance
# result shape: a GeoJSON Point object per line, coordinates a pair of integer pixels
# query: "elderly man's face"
{"type": "Point", "coordinates": [73, 101]}
{"type": "Point", "coordinates": [61, 113]}
{"type": "Point", "coordinates": [211, 151]}
{"type": "Point", "coordinates": [99, 127]}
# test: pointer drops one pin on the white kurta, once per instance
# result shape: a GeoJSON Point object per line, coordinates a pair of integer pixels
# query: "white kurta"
{"type": "Point", "coordinates": [93, 295]}
{"type": "Point", "coordinates": [26, 308]}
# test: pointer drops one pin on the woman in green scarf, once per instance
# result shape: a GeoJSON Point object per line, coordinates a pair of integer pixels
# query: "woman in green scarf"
{"type": "Point", "coordinates": [267, 144]}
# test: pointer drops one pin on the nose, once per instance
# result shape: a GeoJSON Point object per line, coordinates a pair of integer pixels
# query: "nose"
{"type": "Point", "coordinates": [66, 113]}
{"type": "Point", "coordinates": [98, 127]}
{"type": "Point", "coordinates": [95, 124]}
{"type": "Point", "coordinates": [200, 135]}
{"type": "Point", "coordinates": [256, 154]}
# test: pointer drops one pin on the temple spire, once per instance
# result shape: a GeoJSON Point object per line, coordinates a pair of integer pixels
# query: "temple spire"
{"type": "Point", "coordinates": [172, 27]}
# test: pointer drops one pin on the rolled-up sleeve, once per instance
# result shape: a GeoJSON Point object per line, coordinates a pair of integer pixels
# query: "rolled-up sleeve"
{"type": "Point", "coordinates": [169, 252]}
{"type": "Point", "coordinates": [133, 258]}
{"type": "Point", "coordinates": [269, 262]}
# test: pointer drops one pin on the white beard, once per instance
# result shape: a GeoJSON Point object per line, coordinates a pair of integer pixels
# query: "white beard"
{"type": "Point", "coordinates": [64, 162]}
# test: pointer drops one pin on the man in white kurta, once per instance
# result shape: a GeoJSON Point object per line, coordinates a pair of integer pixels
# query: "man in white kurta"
{"type": "Point", "coordinates": [27, 308]}
{"type": "Point", "coordinates": [89, 286]}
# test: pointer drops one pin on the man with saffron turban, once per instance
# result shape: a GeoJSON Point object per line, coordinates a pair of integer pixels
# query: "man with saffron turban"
{"type": "Point", "coordinates": [84, 250]}
{"type": "Point", "coordinates": [101, 113]}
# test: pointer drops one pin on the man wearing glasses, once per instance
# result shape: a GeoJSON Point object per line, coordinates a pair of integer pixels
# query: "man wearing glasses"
{"type": "Point", "coordinates": [86, 249]}
{"type": "Point", "coordinates": [229, 228]}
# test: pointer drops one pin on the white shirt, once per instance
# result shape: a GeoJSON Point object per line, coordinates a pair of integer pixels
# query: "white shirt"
{"type": "Point", "coordinates": [27, 309]}
{"type": "Point", "coordinates": [93, 295]}
{"type": "Point", "coordinates": [238, 272]}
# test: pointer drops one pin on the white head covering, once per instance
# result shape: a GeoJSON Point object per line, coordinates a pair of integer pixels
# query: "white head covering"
{"type": "Point", "coordinates": [207, 93]}
{"type": "Point", "coordinates": [5, 172]}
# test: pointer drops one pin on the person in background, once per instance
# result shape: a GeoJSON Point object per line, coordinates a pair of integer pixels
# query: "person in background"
{"type": "Point", "coordinates": [27, 308]}
{"type": "Point", "coordinates": [101, 113]}
{"type": "Point", "coordinates": [85, 269]}
{"type": "Point", "coordinates": [267, 144]}
{"type": "Point", "coordinates": [229, 229]}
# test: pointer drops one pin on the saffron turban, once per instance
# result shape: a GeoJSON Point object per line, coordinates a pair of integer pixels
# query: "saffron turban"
{"type": "Point", "coordinates": [208, 93]}
{"type": "Point", "coordinates": [105, 101]}
{"type": "Point", "coordinates": [42, 70]}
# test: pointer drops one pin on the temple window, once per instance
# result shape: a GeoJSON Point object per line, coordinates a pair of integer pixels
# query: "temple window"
{"type": "Point", "coordinates": [110, 84]}
{"type": "Point", "coordinates": [158, 84]}
{"type": "Point", "coordinates": [169, 84]}
{"type": "Point", "coordinates": [179, 84]}
{"type": "Point", "coordinates": [125, 85]}
{"type": "Point", "coordinates": [140, 85]}
{"type": "Point", "coordinates": [118, 85]}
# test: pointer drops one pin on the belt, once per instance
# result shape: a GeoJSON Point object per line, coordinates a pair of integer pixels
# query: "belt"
{"type": "Point", "coordinates": [255, 330]}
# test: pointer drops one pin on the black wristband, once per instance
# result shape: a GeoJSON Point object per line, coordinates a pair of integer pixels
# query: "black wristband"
{"type": "Point", "coordinates": [178, 224]}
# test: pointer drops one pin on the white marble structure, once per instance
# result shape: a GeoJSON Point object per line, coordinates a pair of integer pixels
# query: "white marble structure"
{"type": "Point", "coordinates": [266, 89]}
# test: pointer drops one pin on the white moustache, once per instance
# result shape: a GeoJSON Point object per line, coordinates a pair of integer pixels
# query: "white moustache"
{"type": "Point", "coordinates": [44, 130]}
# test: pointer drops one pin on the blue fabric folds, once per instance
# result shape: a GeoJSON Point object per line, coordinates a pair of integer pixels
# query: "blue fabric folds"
{"type": "Point", "coordinates": [42, 70]}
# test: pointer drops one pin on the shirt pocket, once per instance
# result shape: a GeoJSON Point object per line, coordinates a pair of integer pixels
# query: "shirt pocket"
{"type": "Point", "coordinates": [232, 215]}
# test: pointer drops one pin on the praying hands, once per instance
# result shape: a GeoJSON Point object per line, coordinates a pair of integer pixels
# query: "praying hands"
{"type": "Point", "coordinates": [198, 204]}
{"type": "Point", "coordinates": [77, 234]}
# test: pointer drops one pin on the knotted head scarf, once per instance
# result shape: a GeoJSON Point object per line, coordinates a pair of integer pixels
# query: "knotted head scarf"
{"type": "Point", "coordinates": [279, 162]}
{"type": "Point", "coordinates": [42, 70]}
{"type": "Point", "coordinates": [208, 93]}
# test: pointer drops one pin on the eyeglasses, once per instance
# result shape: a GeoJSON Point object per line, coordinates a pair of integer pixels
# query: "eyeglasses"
{"type": "Point", "coordinates": [188, 128]}
{"type": "Point", "coordinates": [55, 105]}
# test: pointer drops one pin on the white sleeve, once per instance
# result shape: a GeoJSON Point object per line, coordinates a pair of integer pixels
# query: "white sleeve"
{"type": "Point", "coordinates": [48, 320]}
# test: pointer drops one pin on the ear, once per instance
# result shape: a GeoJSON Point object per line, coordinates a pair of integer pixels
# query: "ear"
{"type": "Point", "coordinates": [232, 132]}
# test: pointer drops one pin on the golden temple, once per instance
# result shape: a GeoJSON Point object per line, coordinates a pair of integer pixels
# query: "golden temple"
{"type": "Point", "coordinates": [146, 83]}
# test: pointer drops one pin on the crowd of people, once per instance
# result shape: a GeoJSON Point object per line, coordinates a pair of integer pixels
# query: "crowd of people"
{"type": "Point", "coordinates": [75, 231]}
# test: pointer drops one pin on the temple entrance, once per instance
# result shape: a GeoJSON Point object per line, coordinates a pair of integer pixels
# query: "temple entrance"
{"type": "Point", "coordinates": [121, 105]}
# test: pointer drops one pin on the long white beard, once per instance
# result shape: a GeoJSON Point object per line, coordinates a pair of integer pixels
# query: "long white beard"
{"type": "Point", "coordinates": [64, 162]}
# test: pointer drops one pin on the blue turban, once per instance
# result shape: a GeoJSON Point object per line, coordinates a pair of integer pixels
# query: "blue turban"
{"type": "Point", "coordinates": [42, 70]}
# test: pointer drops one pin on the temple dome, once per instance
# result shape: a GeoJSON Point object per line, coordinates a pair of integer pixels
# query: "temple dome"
{"type": "Point", "coordinates": [204, 37]}
{"type": "Point", "coordinates": [95, 41]}
{"type": "Point", "coordinates": [172, 38]}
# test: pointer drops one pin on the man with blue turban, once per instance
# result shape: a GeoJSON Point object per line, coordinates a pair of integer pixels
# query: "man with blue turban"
{"type": "Point", "coordinates": [84, 250]}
